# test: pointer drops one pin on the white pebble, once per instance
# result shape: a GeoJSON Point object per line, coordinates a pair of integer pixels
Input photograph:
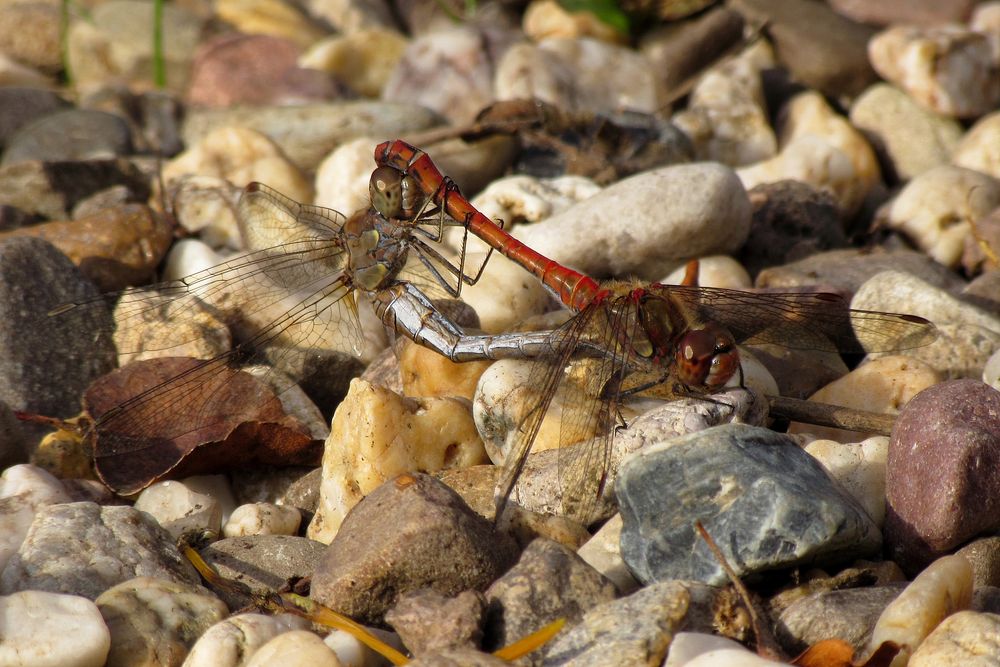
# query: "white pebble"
{"type": "Point", "coordinates": [189, 256]}
{"type": "Point", "coordinates": [40, 629]}
{"type": "Point", "coordinates": [230, 642]}
{"type": "Point", "coordinates": [351, 652]}
{"type": "Point", "coordinates": [180, 509]}
{"type": "Point", "coordinates": [298, 648]}
{"type": "Point", "coordinates": [715, 271]}
{"type": "Point", "coordinates": [262, 519]}
{"type": "Point", "coordinates": [944, 588]}
{"type": "Point", "coordinates": [24, 489]}
{"type": "Point", "coordinates": [695, 649]}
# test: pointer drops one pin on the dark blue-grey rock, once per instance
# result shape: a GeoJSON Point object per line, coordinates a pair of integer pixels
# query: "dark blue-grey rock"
{"type": "Point", "coordinates": [74, 134]}
{"type": "Point", "coordinates": [765, 502]}
{"type": "Point", "coordinates": [47, 361]}
{"type": "Point", "coordinates": [549, 582]}
{"type": "Point", "coordinates": [84, 549]}
{"type": "Point", "coordinates": [942, 486]}
{"type": "Point", "coordinates": [22, 105]}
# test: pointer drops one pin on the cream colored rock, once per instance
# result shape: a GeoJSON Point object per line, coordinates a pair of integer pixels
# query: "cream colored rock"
{"type": "Point", "coordinates": [241, 155]}
{"type": "Point", "coordinates": [231, 642]}
{"type": "Point", "coordinates": [376, 435]}
{"type": "Point", "coordinates": [343, 176]}
{"type": "Point", "coordinates": [882, 385]}
{"type": "Point", "coordinates": [860, 469]}
{"type": "Point", "coordinates": [726, 117]}
{"type": "Point", "coordinates": [206, 206]}
{"type": "Point", "coordinates": [936, 208]}
{"type": "Point", "coordinates": [269, 17]}
{"type": "Point", "coordinates": [812, 160]}
{"type": "Point", "coordinates": [262, 519]}
{"type": "Point", "coordinates": [980, 147]}
{"type": "Point", "coordinates": [547, 18]}
{"type": "Point", "coordinates": [505, 295]}
{"type": "Point", "coordinates": [298, 648]}
{"type": "Point", "coordinates": [363, 59]}
{"type": "Point", "coordinates": [949, 69]}
{"type": "Point", "coordinates": [808, 114]}
{"type": "Point", "coordinates": [942, 589]}
{"type": "Point", "coordinates": [425, 373]}
{"type": "Point", "coordinates": [180, 509]}
{"type": "Point", "coordinates": [24, 489]}
{"type": "Point", "coordinates": [964, 639]}
{"type": "Point", "coordinates": [694, 649]}
{"type": "Point", "coordinates": [603, 553]}
{"type": "Point", "coordinates": [715, 271]}
{"type": "Point", "coordinates": [913, 137]}
{"type": "Point", "coordinates": [42, 629]}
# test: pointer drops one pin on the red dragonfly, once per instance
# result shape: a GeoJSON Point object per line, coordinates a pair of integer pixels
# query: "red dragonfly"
{"type": "Point", "coordinates": [291, 304]}
{"type": "Point", "coordinates": [650, 333]}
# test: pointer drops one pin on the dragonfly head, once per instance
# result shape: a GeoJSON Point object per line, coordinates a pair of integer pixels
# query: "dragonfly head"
{"type": "Point", "coordinates": [394, 194]}
{"type": "Point", "coordinates": [707, 357]}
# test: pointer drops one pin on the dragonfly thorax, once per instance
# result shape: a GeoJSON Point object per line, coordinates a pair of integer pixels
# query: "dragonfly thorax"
{"type": "Point", "coordinates": [375, 254]}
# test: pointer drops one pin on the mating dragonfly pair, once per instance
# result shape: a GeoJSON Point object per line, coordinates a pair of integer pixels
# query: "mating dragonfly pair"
{"type": "Point", "coordinates": [312, 262]}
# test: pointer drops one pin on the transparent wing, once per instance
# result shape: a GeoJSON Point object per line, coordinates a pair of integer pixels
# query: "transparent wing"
{"type": "Point", "coordinates": [801, 320]}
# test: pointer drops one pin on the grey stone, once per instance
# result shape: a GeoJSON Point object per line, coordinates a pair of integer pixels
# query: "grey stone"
{"type": "Point", "coordinates": [21, 105]}
{"type": "Point", "coordinates": [765, 502]}
{"type": "Point", "coordinates": [74, 134]}
{"type": "Point", "coordinates": [47, 362]}
{"type": "Point", "coordinates": [634, 630]}
{"type": "Point", "coordinates": [66, 543]}
{"type": "Point", "coordinates": [263, 563]}
{"type": "Point", "coordinates": [848, 614]}
{"type": "Point", "coordinates": [548, 582]}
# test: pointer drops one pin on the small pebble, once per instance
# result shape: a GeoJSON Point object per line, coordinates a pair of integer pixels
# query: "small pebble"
{"type": "Point", "coordinates": [179, 509]}
{"type": "Point", "coordinates": [262, 519]}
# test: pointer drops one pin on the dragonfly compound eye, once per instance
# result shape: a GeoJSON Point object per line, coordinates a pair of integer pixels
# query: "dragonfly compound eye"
{"type": "Point", "coordinates": [707, 357]}
{"type": "Point", "coordinates": [386, 191]}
